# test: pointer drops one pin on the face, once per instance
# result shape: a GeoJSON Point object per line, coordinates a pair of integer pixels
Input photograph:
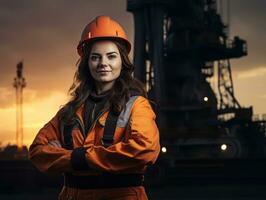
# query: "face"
{"type": "Point", "coordinates": [105, 62]}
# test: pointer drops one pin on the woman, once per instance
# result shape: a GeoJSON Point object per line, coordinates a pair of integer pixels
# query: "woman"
{"type": "Point", "coordinates": [104, 138]}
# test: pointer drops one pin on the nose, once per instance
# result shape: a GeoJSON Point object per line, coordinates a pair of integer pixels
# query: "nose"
{"type": "Point", "coordinates": [103, 61]}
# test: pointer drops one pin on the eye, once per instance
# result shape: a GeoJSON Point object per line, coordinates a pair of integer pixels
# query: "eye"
{"type": "Point", "coordinates": [112, 56]}
{"type": "Point", "coordinates": [94, 58]}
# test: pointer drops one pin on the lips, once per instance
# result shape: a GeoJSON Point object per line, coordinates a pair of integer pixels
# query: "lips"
{"type": "Point", "coordinates": [102, 71]}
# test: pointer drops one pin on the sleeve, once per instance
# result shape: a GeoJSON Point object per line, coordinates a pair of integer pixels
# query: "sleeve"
{"type": "Point", "coordinates": [140, 150]}
{"type": "Point", "coordinates": [45, 157]}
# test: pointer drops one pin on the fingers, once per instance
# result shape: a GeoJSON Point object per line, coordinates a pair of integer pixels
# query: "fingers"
{"type": "Point", "coordinates": [54, 143]}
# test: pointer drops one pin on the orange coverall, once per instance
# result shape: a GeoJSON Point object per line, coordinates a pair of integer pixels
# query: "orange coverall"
{"type": "Point", "coordinates": [135, 146]}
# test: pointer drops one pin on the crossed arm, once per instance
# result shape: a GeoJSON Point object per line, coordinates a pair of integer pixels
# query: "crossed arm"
{"type": "Point", "coordinates": [141, 149]}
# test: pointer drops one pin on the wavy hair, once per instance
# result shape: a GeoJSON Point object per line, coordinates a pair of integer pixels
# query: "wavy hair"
{"type": "Point", "coordinates": [83, 85]}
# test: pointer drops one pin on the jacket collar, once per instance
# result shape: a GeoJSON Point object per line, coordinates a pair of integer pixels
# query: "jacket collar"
{"type": "Point", "coordinates": [96, 98]}
{"type": "Point", "coordinates": [99, 97]}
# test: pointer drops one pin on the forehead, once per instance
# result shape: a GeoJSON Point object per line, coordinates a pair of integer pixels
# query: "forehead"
{"type": "Point", "coordinates": [104, 46]}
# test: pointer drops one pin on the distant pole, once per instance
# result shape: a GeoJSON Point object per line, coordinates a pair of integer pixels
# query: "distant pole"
{"type": "Point", "coordinates": [19, 84]}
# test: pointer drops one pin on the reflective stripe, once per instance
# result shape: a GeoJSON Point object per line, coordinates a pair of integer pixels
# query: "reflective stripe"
{"type": "Point", "coordinates": [125, 114]}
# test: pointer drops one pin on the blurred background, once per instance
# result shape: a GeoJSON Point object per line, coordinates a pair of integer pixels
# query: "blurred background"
{"type": "Point", "coordinates": [202, 62]}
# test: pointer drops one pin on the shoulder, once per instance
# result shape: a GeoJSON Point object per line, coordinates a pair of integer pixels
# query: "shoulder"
{"type": "Point", "coordinates": [141, 106]}
{"type": "Point", "coordinates": [137, 106]}
{"type": "Point", "coordinates": [141, 101]}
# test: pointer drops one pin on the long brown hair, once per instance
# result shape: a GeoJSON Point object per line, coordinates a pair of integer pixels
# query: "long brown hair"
{"type": "Point", "coordinates": [83, 85]}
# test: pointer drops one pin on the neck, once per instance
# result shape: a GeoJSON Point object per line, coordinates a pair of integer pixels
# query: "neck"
{"type": "Point", "coordinates": [103, 87]}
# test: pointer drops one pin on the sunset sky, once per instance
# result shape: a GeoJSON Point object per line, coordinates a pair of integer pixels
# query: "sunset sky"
{"type": "Point", "coordinates": [44, 34]}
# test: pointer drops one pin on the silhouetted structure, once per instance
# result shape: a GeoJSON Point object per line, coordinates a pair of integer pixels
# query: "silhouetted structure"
{"type": "Point", "coordinates": [19, 84]}
{"type": "Point", "coordinates": [177, 44]}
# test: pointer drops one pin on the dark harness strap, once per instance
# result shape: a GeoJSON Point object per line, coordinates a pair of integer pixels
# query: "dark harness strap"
{"type": "Point", "coordinates": [68, 140]}
{"type": "Point", "coordinates": [67, 133]}
{"type": "Point", "coordinates": [110, 126]}
{"type": "Point", "coordinates": [109, 129]}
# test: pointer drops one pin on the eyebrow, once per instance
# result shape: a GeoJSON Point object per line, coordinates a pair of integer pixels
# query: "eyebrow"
{"type": "Point", "coordinates": [93, 53]}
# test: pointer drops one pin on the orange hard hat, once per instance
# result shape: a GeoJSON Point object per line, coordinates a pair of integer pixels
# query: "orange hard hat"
{"type": "Point", "coordinates": [103, 27]}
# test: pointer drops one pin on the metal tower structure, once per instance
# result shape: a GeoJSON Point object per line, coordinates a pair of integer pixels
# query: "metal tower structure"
{"type": "Point", "coordinates": [225, 86]}
{"type": "Point", "coordinates": [19, 84]}
{"type": "Point", "coordinates": [177, 46]}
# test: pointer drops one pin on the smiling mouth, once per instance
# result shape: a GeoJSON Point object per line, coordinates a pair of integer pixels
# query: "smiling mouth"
{"type": "Point", "coordinates": [102, 71]}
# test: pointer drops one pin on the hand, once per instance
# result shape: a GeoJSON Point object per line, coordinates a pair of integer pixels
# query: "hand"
{"type": "Point", "coordinates": [54, 143]}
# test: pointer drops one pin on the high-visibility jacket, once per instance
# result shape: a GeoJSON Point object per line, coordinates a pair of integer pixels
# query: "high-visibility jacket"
{"type": "Point", "coordinates": [136, 143]}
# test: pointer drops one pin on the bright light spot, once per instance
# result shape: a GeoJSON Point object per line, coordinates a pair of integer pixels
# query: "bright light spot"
{"type": "Point", "coordinates": [164, 149]}
{"type": "Point", "coordinates": [205, 99]}
{"type": "Point", "coordinates": [223, 147]}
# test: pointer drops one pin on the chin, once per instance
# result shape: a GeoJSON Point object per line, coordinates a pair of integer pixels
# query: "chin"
{"type": "Point", "coordinates": [105, 80]}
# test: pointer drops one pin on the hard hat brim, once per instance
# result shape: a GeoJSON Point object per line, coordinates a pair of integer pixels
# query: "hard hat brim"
{"type": "Point", "coordinates": [84, 44]}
